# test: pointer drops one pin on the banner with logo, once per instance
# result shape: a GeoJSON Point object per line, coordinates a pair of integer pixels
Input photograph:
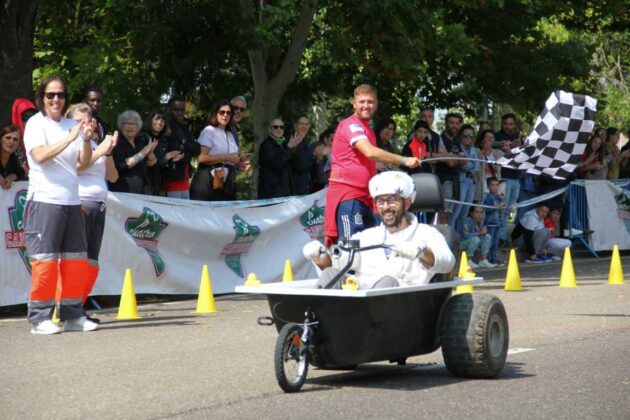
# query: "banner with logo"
{"type": "Point", "coordinates": [166, 242]}
{"type": "Point", "coordinates": [608, 214]}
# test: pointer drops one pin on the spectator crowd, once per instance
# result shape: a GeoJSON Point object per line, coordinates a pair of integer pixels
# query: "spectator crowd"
{"type": "Point", "coordinates": [156, 154]}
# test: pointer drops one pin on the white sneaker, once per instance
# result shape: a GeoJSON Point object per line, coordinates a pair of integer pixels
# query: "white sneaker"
{"type": "Point", "coordinates": [80, 324]}
{"type": "Point", "coordinates": [486, 264]}
{"type": "Point", "coordinates": [572, 232]}
{"type": "Point", "coordinates": [472, 265]}
{"type": "Point", "coordinates": [45, 328]}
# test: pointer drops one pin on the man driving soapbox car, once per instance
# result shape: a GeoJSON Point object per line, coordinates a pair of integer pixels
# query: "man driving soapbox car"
{"type": "Point", "coordinates": [399, 310]}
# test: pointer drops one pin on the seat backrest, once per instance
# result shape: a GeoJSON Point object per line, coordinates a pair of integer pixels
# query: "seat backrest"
{"type": "Point", "coordinates": [429, 194]}
{"type": "Point", "coordinates": [452, 239]}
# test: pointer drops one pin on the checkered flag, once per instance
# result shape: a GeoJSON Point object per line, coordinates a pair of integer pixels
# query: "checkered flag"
{"type": "Point", "coordinates": [558, 140]}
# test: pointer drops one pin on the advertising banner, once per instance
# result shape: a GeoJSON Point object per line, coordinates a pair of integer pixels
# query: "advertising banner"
{"type": "Point", "coordinates": [608, 214]}
{"type": "Point", "coordinates": [166, 242]}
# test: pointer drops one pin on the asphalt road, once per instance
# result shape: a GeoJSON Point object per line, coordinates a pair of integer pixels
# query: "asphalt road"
{"type": "Point", "coordinates": [569, 359]}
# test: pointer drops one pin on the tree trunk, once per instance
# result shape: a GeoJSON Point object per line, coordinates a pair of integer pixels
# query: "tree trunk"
{"type": "Point", "coordinates": [17, 20]}
{"type": "Point", "coordinates": [269, 88]}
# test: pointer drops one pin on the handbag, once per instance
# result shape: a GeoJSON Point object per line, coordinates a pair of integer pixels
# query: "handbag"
{"type": "Point", "coordinates": [217, 180]}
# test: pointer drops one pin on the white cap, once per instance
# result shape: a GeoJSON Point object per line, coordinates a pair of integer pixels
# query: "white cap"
{"type": "Point", "coordinates": [393, 182]}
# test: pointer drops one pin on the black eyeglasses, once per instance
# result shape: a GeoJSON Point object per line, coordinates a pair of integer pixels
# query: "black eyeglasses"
{"type": "Point", "coordinates": [238, 108]}
{"type": "Point", "coordinates": [222, 112]}
{"type": "Point", "coordinates": [278, 127]}
{"type": "Point", "coordinates": [51, 95]}
{"type": "Point", "coordinates": [392, 200]}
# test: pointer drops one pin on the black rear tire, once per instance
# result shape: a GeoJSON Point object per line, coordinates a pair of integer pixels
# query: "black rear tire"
{"type": "Point", "coordinates": [291, 358]}
{"type": "Point", "coordinates": [475, 336]}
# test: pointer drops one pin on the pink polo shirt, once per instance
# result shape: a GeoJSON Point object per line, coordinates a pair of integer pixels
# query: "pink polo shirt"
{"type": "Point", "coordinates": [348, 165]}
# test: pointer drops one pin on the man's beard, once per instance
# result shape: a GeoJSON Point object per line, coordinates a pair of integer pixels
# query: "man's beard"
{"type": "Point", "coordinates": [392, 220]}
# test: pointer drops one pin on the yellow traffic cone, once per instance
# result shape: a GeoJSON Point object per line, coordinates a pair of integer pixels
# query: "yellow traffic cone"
{"type": "Point", "coordinates": [288, 271]}
{"type": "Point", "coordinates": [465, 272]}
{"type": "Point", "coordinates": [463, 265]}
{"type": "Point", "coordinates": [513, 277]}
{"type": "Point", "coordinates": [567, 277]}
{"type": "Point", "coordinates": [615, 276]}
{"type": "Point", "coordinates": [252, 280]}
{"type": "Point", "coordinates": [205, 301]}
{"type": "Point", "coordinates": [128, 308]}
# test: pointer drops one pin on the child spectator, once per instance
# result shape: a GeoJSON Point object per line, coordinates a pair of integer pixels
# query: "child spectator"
{"type": "Point", "coordinates": [530, 234]}
{"type": "Point", "coordinates": [476, 238]}
{"type": "Point", "coordinates": [555, 245]}
{"type": "Point", "coordinates": [494, 217]}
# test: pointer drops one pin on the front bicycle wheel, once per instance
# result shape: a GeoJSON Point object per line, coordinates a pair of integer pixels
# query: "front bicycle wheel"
{"type": "Point", "coordinates": [291, 358]}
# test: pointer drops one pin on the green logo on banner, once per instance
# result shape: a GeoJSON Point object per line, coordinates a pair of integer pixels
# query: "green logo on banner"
{"type": "Point", "coordinates": [145, 230]}
{"type": "Point", "coordinates": [14, 239]}
{"type": "Point", "coordinates": [313, 221]}
{"type": "Point", "coordinates": [246, 234]}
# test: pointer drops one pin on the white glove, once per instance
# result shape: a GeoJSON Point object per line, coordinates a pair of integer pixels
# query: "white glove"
{"type": "Point", "coordinates": [313, 250]}
{"type": "Point", "coordinates": [410, 250]}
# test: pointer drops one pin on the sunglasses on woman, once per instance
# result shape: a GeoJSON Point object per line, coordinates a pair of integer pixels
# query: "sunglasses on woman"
{"type": "Point", "coordinates": [51, 95]}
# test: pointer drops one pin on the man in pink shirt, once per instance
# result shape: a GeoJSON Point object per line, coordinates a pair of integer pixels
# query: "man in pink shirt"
{"type": "Point", "coordinates": [349, 207]}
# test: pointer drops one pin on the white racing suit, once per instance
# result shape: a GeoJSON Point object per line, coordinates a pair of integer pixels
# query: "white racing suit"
{"type": "Point", "coordinates": [374, 264]}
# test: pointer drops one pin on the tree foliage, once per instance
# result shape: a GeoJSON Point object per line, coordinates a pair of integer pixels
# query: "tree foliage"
{"type": "Point", "coordinates": [463, 54]}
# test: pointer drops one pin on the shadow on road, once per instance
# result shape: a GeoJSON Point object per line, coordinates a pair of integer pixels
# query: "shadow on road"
{"type": "Point", "coordinates": [109, 326]}
{"type": "Point", "coordinates": [411, 377]}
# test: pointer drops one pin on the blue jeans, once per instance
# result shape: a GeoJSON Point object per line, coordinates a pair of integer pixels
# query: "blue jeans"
{"type": "Point", "coordinates": [353, 216]}
{"type": "Point", "coordinates": [460, 211]}
{"type": "Point", "coordinates": [179, 194]}
{"type": "Point", "coordinates": [474, 243]}
{"type": "Point", "coordinates": [512, 190]}
{"type": "Point", "coordinates": [493, 231]}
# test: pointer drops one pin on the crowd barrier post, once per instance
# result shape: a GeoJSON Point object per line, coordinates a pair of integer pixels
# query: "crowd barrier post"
{"type": "Point", "coordinates": [578, 215]}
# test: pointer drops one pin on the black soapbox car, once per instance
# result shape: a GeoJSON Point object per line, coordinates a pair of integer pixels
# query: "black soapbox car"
{"type": "Point", "coordinates": [340, 329]}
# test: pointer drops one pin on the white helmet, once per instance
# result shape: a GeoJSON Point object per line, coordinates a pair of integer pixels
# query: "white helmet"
{"type": "Point", "coordinates": [393, 182]}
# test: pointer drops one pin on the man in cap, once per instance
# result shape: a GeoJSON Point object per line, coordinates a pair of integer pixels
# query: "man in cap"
{"type": "Point", "coordinates": [414, 253]}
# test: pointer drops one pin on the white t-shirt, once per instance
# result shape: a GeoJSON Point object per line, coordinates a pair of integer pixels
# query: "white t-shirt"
{"type": "Point", "coordinates": [92, 185]}
{"type": "Point", "coordinates": [218, 140]}
{"type": "Point", "coordinates": [54, 181]}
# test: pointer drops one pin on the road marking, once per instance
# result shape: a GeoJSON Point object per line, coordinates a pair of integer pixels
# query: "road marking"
{"type": "Point", "coordinates": [432, 366]}
{"type": "Point", "coordinates": [518, 350]}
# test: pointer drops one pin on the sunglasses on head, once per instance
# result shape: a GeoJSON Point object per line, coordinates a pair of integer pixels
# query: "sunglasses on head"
{"type": "Point", "coordinates": [278, 127]}
{"type": "Point", "coordinates": [51, 95]}
{"type": "Point", "coordinates": [223, 112]}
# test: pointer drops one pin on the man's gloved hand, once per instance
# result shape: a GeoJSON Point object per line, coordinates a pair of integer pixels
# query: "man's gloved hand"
{"type": "Point", "coordinates": [410, 250]}
{"type": "Point", "coordinates": [313, 250]}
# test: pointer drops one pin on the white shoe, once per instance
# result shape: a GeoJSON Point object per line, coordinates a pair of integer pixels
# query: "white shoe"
{"type": "Point", "coordinates": [472, 265]}
{"type": "Point", "coordinates": [45, 328]}
{"type": "Point", "coordinates": [80, 324]}
{"type": "Point", "coordinates": [486, 264]}
{"type": "Point", "coordinates": [572, 232]}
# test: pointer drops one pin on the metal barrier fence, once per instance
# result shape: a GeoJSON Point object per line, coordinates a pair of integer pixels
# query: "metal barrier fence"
{"type": "Point", "coordinates": [578, 215]}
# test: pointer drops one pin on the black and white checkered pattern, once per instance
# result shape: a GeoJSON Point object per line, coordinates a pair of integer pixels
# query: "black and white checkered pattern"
{"type": "Point", "coordinates": [558, 140]}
